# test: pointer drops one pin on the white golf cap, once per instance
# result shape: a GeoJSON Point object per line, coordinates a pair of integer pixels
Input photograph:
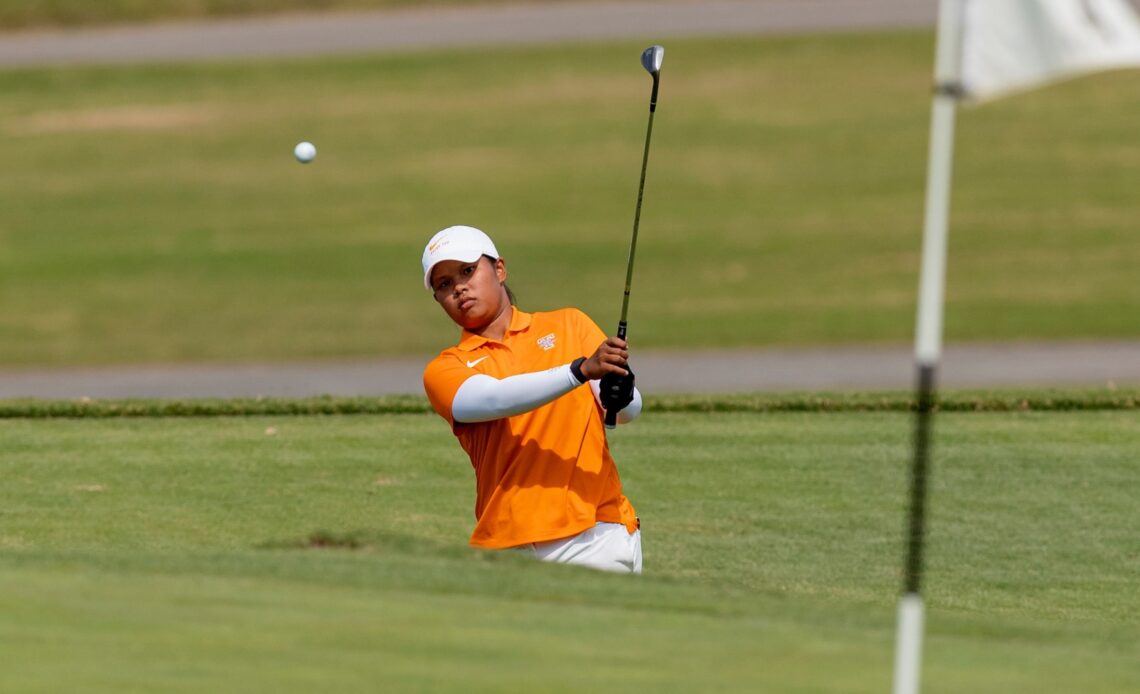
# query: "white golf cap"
{"type": "Point", "coordinates": [462, 243]}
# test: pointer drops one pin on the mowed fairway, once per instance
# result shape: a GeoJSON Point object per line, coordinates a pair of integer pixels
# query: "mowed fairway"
{"type": "Point", "coordinates": [328, 553]}
{"type": "Point", "coordinates": [155, 214]}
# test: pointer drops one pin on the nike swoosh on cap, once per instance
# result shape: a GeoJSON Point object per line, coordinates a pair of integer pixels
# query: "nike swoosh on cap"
{"type": "Point", "coordinates": [471, 364]}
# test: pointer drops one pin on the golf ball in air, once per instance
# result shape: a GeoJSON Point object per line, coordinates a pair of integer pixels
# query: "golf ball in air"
{"type": "Point", "coordinates": [305, 152]}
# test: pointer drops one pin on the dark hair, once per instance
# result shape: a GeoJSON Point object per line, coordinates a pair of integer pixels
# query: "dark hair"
{"type": "Point", "coordinates": [510, 294]}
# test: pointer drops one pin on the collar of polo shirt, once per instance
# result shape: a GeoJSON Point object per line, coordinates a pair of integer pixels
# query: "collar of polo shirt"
{"type": "Point", "coordinates": [519, 321]}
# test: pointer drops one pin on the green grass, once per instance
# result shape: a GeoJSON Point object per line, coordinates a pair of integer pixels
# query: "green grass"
{"type": "Point", "coordinates": [154, 214]}
{"type": "Point", "coordinates": [1057, 400]}
{"type": "Point", "coordinates": [24, 14]}
{"type": "Point", "coordinates": [190, 554]}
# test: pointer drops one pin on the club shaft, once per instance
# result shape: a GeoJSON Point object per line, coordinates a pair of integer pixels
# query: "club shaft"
{"type": "Point", "coordinates": [637, 215]}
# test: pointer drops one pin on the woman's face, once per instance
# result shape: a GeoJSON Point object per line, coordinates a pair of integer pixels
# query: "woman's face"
{"type": "Point", "coordinates": [472, 294]}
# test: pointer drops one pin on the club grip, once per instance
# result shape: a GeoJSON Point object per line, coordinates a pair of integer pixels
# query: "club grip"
{"type": "Point", "coordinates": [611, 419]}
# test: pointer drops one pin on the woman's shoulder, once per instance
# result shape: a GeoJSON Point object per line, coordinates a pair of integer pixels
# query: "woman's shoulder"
{"type": "Point", "coordinates": [568, 321]}
{"type": "Point", "coordinates": [446, 357]}
{"type": "Point", "coordinates": [566, 314]}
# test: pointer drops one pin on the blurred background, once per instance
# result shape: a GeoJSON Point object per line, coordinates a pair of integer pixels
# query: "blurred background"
{"type": "Point", "coordinates": [151, 212]}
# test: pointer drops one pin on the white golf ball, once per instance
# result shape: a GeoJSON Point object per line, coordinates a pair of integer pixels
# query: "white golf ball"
{"type": "Point", "coordinates": [305, 152]}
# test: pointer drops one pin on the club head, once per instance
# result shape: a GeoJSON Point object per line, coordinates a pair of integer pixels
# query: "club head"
{"type": "Point", "coordinates": [651, 59]}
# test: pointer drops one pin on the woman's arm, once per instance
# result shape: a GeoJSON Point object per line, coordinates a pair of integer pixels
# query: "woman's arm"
{"type": "Point", "coordinates": [483, 398]}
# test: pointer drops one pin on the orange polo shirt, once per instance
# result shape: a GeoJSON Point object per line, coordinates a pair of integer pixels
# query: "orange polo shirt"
{"type": "Point", "coordinates": [544, 474]}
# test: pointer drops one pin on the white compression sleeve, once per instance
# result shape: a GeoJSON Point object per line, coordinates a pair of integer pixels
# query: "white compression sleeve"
{"type": "Point", "coordinates": [482, 398]}
{"type": "Point", "coordinates": [631, 410]}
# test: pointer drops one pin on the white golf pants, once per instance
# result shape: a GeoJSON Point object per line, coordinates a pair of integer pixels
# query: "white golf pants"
{"type": "Point", "coordinates": [606, 546]}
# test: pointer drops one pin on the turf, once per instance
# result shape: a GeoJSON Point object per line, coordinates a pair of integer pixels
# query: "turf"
{"type": "Point", "coordinates": [154, 214]}
{"type": "Point", "coordinates": [299, 553]}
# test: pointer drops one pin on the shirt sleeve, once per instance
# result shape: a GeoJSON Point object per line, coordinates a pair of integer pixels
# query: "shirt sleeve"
{"type": "Point", "coordinates": [442, 378]}
{"type": "Point", "coordinates": [590, 335]}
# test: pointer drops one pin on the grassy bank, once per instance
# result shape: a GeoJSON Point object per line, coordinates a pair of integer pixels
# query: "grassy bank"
{"type": "Point", "coordinates": [291, 553]}
{"type": "Point", "coordinates": [1037, 400]}
{"type": "Point", "coordinates": [154, 214]}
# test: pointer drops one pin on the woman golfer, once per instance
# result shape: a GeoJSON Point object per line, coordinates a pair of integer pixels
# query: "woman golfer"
{"type": "Point", "coordinates": [515, 393]}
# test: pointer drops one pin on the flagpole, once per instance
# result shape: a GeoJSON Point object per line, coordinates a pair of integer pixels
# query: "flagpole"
{"type": "Point", "coordinates": [928, 332]}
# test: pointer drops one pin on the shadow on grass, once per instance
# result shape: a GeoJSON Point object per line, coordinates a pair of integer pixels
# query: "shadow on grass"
{"type": "Point", "coordinates": [380, 542]}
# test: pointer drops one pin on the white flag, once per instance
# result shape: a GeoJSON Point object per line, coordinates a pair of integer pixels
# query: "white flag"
{"type": "Point", "coordinates": [1014, 45]}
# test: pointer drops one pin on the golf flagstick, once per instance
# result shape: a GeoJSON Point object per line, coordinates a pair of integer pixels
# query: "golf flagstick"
{"type": "Point", "coordinates": [928, 336]}
{"type": "Point", "coordinates": [651, 59]}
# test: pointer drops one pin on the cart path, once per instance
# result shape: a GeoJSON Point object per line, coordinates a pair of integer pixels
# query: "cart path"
{"type": "Point", "coordinates": [714, 371]}
{"type": "Point", "coordinates": [434, 28]}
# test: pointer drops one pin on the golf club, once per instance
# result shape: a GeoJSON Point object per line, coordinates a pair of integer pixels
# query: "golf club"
{"type": "Point", "coordinates": [651, 59]}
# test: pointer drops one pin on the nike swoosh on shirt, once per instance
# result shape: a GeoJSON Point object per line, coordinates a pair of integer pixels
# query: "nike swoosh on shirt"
{"type": "Point", "coordinates": [471, 364]}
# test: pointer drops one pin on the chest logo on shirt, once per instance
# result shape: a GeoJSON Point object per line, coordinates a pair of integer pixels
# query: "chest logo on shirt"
{"type": "Point", "coordinates": [546, 342]}
{"type": "Point", "coordinates": [471, 364]}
